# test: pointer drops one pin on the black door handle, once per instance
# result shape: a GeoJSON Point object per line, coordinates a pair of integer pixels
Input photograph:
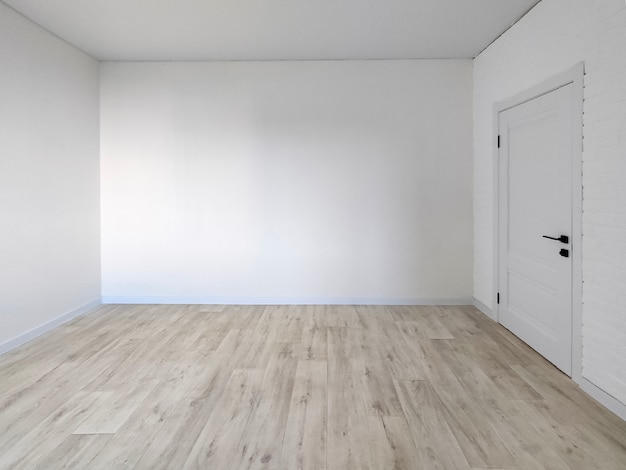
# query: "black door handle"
{"type": "Point", "coordinates": [562, 238]}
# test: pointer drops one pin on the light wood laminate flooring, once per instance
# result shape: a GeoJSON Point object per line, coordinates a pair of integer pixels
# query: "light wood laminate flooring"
{"type": "Point", "coordinates": [295, 387]}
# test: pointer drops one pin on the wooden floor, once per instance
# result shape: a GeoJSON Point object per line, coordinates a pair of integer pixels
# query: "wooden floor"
{"type": "Point", "coordinates": [313, 387]}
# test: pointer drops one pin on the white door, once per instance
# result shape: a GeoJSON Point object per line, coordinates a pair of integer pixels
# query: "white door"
{"type": "Point", "coordinates": [535, 202]}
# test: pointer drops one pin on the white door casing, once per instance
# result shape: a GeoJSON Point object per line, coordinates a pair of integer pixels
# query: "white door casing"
{"type": "Point", "coordinates": [539, 193]}
{"type": "Point", "coordinates": [535, 200]}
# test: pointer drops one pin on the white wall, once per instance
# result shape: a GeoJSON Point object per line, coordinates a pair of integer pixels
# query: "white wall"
{"type": "Point", "coordinates": [49, 201]}
{"type": "Point", "coordinates": [286, 181]}
{"type": "Point", "coordinates": [553, 37]}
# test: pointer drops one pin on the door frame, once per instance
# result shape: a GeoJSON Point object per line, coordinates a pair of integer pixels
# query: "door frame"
{"type": "Point", "coordinates": [575, 76]}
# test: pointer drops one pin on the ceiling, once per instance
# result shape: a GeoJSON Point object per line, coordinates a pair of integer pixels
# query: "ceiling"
{"type": "Point", "coordinates": [275, 29]}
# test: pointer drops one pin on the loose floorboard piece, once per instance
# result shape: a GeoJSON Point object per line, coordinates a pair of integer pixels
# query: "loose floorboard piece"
{"type": "Point", "coordinates": [295, 387]}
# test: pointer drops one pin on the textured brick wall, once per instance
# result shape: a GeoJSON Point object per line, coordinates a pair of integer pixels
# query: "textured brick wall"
{"type": "Point", "coordinates": [553, 37]}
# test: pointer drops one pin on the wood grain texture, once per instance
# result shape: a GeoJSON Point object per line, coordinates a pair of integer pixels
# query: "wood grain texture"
{"type": "Point", "coordinates": [436, 445]}
{"type": "Point", "coordinates": [304, 444]}
{"type": "Point", "coordinates": [216, 445]}
{"type": "Point", "coordinates": [295, 387]}
{"type": "Point", "coordinates": [263, 435]}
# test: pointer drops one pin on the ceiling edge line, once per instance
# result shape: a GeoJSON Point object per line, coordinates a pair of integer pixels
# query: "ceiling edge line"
{"type": "Point", "coordinates": [507, 29]}
{"type": "Point", "coordinates": [49, 32]}
{"type": "Point", "coordinates": [391, 59]}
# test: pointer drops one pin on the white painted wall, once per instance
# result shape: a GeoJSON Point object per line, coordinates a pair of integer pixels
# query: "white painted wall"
{"type": "Point", "coordinates": [553, 37]}
{"type": "Point", "coordinates": [49, 201]}
{"type": "Point", "coordinates": [286, 181]}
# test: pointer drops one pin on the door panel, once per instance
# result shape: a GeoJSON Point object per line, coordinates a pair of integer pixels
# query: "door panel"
{"type": "Point", "coordinates": [535, 281]}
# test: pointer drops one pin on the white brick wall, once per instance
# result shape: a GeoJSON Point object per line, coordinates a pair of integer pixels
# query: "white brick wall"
{"type": "Point", "coordinates": [553, 37]}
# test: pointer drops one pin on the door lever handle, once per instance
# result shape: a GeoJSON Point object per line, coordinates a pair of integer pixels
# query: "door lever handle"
{"type": "Point", "coordinates": [562, 238]}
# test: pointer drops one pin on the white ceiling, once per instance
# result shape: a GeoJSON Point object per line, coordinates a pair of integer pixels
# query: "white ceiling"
{"type": "Point", "coordinates": [275, 29]}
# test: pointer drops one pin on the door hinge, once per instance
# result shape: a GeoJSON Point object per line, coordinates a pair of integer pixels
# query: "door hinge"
{"type": "Point", "coordinates": [498, 141]}
{"type": "Point", "coordinates": [498, 298]}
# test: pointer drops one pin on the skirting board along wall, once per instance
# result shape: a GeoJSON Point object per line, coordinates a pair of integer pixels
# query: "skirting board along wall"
{"type": "Point", "coordinates": [48, 326]}
{"type": "Point", "coordinates": [484, 309]}
{"type": "Point", "coordinates": [281, 301]}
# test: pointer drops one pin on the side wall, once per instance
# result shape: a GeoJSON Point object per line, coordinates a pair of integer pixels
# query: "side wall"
{"type": "Point", "coordinates": [49, 180]}
{"type": "Point", "coordinates": [287, 182]}
{"type": "Point", "coordinates": [554, 36]}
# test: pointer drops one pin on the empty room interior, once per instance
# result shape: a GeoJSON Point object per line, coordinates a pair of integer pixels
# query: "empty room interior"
{"type": "Point", "coordinates": [312, 234]}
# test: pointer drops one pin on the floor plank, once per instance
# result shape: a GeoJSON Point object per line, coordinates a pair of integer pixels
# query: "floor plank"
{"type": "Point", "coordinates": [217, 443]}
{"type": "Point", "coordinates": [304, 444]}
{"type": "Point", "coordinates": [436, 444]}
{"type": "Point", "coordinates": [261, 442]}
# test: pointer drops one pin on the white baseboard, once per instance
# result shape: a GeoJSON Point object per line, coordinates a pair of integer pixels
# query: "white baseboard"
{"type": "Point", "coordinates": [606, 400]}
{"type": "Point", "coordinates": [209, 300]}
{"type": "Point", "coordinates": [35, 332]}
{"type": "Point", "coordinates": [483, 308]}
